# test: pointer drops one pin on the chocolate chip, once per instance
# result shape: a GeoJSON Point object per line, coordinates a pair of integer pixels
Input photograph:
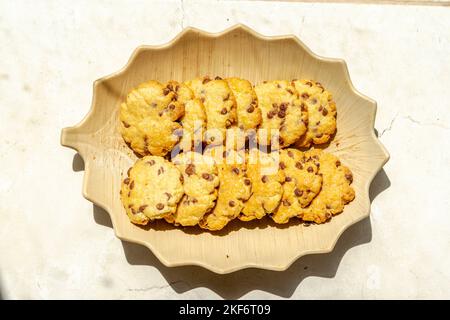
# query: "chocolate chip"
{"type": "Point", "coordinates": [166, 91]}
{"type": "Point", "coordinates": [289, 90]}
{"type": "Point", "coordinates": [328, 206]}
{"type": "Point", "coordinates": [217, 78]}
{"type": "Point", "coordinates": [128, 172]}
{"type": "Point", "coordinates": [228, 123]}
{"type": "Point", "coordinates": [181, 179]}
{"type": "Point", "coordinates": [317, 123]}
{"type": "Point", "coordinates": [281, 114]}
{"type": "Point", "coordinates": [298, 192]}
{"type": "Point", "coordinates": [168, 195]}
{"type": "Point", "coordinates": [247, 182]}
{"type": "Point", "coordinates": [206, 80]}
{"type": "Point", "coordinates": [264, 179]}
{"type": "Point", "coordinates": [129, 193]}
{"type": "Point", "coordinates": [171, 106]}
{"type": "Point", "coordinates": [310, 169]}
{"type": "Point", "coordinates": [270, 115]}
{"type": "Point", "coordinates": [338, 163]}
{"type": "Point", "coordinates": [226, 97]}
{"type": "Point", "coordinates": [133, 211]}
{"type": "Point", "coordinates": [283, 106]}
{"type": "Point", "coordinates": [194, 200]}
{"type": "Point", "coordinates": [290, 154]}
{"type": "Point", "coordinates": [282, 165]}
{"type": "Point", "coordinates": [174, 97]}
{"type": "Point", "coordinates": [320, 108]}
{"type": "Point", "coordinates": [190, 169]}
{"type": "Point", "coordinates": [153, 104]}
{"type": "Point", "coordinates": [278, 86]}
{"type": "Point", "coordinates": [303, 107]}
{"type": "Point", "coordinates": [319, 135]}
{"type": "Point", "coordinates": [288, 179]}
{"type": "Point", "coordinates": [126, 125]}
{"type": "Point", "coordinates": [298, 165]}
{"type": "Point", "coordinates": [349, 177]}
{"type": "Point", "coordinates": [151, 162]}
{"type": "Point", "coordinates": [328, 215]}
{"type": "Point", "coordinates": [142, 208]}
{"type": "Point", "coordinates": [315, 157]}
{"type": "Point", "coordinates": [160, 170]}
{"type": "Point", "coordinates": [206, 176]}
{"type": "Point", "coordinates": [250, 109]}
{"type": "Point", "coordinates": [159, 206]}
{"type": "Point", "coordinates": [224, 111]}
{"type": "Point", "coordinates": [286, 203]}
{"type": "Point", "coordinates": [235, 170]}
{"type": "Point", "coordinates": [126, 181]}
{"type": "Point", "coordinates": [324, 112]}
{"type": "Point", "coordinates": [132, 185]}
{"type": "Point", "coordinates": [305, 95]}
{"type": "Point", "coordinates": [309, 83]}
{"type": "Point", "coordinates": [231, 203]}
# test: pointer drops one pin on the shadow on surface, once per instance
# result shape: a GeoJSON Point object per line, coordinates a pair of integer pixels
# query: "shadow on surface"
{"type": "Point", "coordinates": [380, 183]}
{"type": "Point", "coordinates": [77, 163]}
{"type": "Point", "coordinates": [237, 284]}
{"type": "Point", "coordinates": [101, 216]}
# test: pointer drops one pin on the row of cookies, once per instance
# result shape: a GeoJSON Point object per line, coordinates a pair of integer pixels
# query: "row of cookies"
{"type": "Point", "coordinates": [215, 187]}
{"type": "Point", "coordinates": [156, 117]}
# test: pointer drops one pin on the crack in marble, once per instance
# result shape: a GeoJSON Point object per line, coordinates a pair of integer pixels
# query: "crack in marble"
{"type": "Point", "coordinates": [169, 284]}
{"type": "Point", "coordinates": [389, 128]}
{"type": "Point", "coordinates": [432, 124]}
{"type": "Point", "coordinates": [415, 121]}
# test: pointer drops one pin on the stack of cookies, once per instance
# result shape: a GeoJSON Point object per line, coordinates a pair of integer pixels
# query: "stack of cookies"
{"type": "Point", "coordinates": [213, 150]}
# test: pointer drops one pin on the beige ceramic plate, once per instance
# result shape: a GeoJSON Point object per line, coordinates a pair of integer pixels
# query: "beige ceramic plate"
{"type": "Point", "coordinates": [241, 52]}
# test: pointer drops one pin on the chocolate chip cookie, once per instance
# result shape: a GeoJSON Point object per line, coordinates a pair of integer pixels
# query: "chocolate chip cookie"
{"type": "Point", "coordinates": [267, 190]}
{"type": "Point", "coordinates": [336, 190]}
{"type": "Point", "coordinates": [151, 190]}
{"type": "Point", "coordinates": [284, 116]}
{"type": "Point", "coordinates": [201, 180]}
{"type": "Point", "coordinates": [321, 112]}
{"type": "Point", "coordinates": [148, 118]}
{"type": "Point", "coordinates": [234, 190]}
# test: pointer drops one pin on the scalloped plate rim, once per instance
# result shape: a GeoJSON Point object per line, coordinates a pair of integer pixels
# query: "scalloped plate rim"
{"type": "Point", "coordinates": [66, 132]}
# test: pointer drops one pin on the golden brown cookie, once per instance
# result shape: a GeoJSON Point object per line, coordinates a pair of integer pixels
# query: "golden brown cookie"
{"type": "Point", "coordinates": [336, 190]}
{"type": "Point", "coordinates": [151, 189]}
{"type": "Point", "coordinates": [220, 106]}
{"type": "Point", "coordinates": [302, 183]}
{"type": "Point", "coordinates": [234, 190]}
{"type": "Point", "coordinates": [283, 113]}
{"type": "Point", "coordinates": [200, 187]}
{"type": "Point", "coordinates": [148, 118]}
{"type": "Point", "coordinates": [321, 112]}
{"type": "Point", "coordinates": [194, 119]}
{"type": "Point", "coordinates": [267, 190]}
{"type": "Point", "coordinates": [248, 111]}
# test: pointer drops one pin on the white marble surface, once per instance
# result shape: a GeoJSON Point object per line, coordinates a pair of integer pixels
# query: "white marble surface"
{"type": "Point", "coordinates": [55, 244]}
